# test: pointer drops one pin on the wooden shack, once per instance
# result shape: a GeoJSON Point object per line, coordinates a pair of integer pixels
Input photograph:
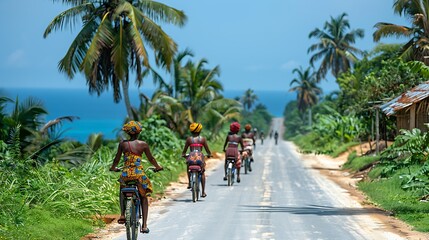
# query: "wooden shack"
{"type": "Point", "coordinates": [411, 108]}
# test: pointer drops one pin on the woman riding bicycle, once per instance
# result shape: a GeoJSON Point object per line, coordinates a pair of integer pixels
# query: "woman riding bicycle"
{"type": "Point", "coordinates": [196, 157]}
{"type": "Point", "coordinates": [133, 170]}
{"type": "Point", "coordinates": [249, 140]}
{"type": "Point", "coordinates": [231, 144]}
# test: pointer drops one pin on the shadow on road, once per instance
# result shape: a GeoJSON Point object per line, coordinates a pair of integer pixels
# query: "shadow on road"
{"type": "Point", "coordinates": [311, 210]}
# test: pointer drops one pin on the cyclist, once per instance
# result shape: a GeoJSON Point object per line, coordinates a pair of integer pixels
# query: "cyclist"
{"type": "Point", "coordinates": [249, 140]}
{"type": "Point", "coordinates": [276, 136]}
{"type": "Point", "coordinates": [231, 144]}
{"type": "Point", "coordinates": [132, 151]}
{"type": "Point", "coordinates": [262, 136]}
{"type": "Point", "coordinates": [196, 143]}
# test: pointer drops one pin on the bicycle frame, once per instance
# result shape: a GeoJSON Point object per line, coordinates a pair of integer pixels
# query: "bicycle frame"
{"type": "Point", "coordinates": [195, 180]}
{"type": "Point", "coordinates": [133, 211]}
{"type": "Point", "coordinates": [230, 170]}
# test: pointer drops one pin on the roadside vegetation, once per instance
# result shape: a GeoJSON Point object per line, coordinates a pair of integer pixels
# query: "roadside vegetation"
{"type": "Point", "coordinates": [396, 179]}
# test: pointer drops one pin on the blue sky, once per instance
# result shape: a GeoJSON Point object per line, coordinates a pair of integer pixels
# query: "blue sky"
{"type": "Point", "coordinates": [257, 44]}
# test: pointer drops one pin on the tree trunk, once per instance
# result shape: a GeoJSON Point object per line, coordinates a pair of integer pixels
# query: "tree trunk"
{"type": "Point", "coordinates": [309, 117]}
{"type": "Point", "coordinates": [127, 98]}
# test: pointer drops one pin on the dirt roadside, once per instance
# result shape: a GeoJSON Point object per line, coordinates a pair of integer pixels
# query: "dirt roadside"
{"type": "Point", "coordinates": [327, 166]}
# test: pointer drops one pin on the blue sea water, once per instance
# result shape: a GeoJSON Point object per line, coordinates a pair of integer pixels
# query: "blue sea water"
{"type": "Point", "coordinates": [99, 114]}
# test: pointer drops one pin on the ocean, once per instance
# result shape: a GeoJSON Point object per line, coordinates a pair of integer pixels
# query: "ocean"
{"type": "Point", "coordinates": [99, 114]}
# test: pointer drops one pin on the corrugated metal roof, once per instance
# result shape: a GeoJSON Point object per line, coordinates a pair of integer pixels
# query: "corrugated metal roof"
{"type": "Point", "coordinates": [406, 99]}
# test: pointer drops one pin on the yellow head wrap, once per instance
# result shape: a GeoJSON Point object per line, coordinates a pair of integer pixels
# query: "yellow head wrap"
{"type": "Point", "coordinates": [132, 127]}
{"type": "Point", "coordinates": [195, 127]}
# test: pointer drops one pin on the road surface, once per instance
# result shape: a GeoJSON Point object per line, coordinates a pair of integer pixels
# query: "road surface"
{"type": "Point", "coordinates": [279, 199]}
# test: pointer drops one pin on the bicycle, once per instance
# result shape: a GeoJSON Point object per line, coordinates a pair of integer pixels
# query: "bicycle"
{"type": "Point", "coordinates": [133, 210]}
{"type": "Point", "coordinates": [230, 170]}
{"type": "Point", "coordinates": [246, 161]}
{"type": "Point", "coordinates": [195, 179]}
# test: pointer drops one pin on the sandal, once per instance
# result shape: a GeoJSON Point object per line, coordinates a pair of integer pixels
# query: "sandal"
{"type": "Point", "coordinates": [238, 180]}
{"type": "Point", "coordinates": [204, 195]}
{"type": "Point", "coordinates": [121, 220]}
{"type": "Point", "coordinates": [144, 230]}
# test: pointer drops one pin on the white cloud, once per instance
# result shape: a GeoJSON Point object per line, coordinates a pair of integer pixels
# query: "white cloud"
{"type": "Point", "coordinates": [16, 58]}
{"type": "Point", "coordinates": [290, 65]}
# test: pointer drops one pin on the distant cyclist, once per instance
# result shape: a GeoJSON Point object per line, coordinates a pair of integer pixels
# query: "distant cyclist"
{"type": "Point", "coordinates": [249, 141]}
{"type": "Point", "coordinates": [231, 147]}
{"type": "Point", "coordinates": [276, 136]}
{"type": "Point", "coordinates": [196, 157]}
{"type": "Point", "coordinates": [262, 136]}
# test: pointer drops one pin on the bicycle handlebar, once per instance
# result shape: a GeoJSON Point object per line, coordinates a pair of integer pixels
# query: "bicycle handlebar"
{"type": "Point", "coordinates": [151, 168]}
{"type": "Point", "coordinates": [187, 155]}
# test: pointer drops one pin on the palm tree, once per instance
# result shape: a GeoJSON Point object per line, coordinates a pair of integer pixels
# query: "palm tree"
{"type": "Point", "coordinates": [248, 99]}
{"type": "Point", "coordinates": [178, 72]}
{"type": "Point", "coordinates": [335, 48]}
{"type": "Point", "coordinates": [307, 90]}
{"type": "Point", "coordinates": [24, 121]}
{"type": "Point", "coordinates": [218, 112]}
{"type": "Point", "coordinates": [200, 86]}
{"type": "Point", "coordinates": [114, 39]}
{"type": "Point", "coordinates": [417, 47]}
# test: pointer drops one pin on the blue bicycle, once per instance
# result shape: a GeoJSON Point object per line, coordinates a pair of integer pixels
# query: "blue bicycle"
{"type": "Point", "coordinates": [133, 212]}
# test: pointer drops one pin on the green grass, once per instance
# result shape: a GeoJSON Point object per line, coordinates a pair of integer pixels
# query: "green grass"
{"type": "Point", "coordinates": [388, 194]}
{"type": "Point", "coordinates": [342, 148]}
{"type": "Point", "coordinates": [356, 163]}
{"type": "Point", "coordinates": [311, 143]}
{"type": "Point", "coordinates": [43, 225]}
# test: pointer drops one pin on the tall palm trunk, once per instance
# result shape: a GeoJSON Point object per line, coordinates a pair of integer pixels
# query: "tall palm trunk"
{"type": "Point", "coordinates": [126, 94]}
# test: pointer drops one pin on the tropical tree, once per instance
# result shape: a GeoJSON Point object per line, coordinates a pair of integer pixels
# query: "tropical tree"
{"type": "Point", "coordinates": [23, 121]}
{"type": "Point", "coordinates": [178, 73]}
{"type": "Point", "coordinates": [334, 48]}
{"type": "Point", "coordinates": [248, 99]}
{"type": "Point", "coordinates": [114, 41]}
{"type": "Point", "coordinates": [417, 48]}
{"type": "Point", "coordinates": [3, 116]}
{"type": "Point", "coordinates": [200, 87]}
{"type": "Point", "coordinates": [307, 90]}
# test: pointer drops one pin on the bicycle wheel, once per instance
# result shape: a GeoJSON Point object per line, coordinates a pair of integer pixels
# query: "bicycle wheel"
{"type": "Point", "coordinates": [194, 185]}
{"type": "Point", "coordinates": [130, 219]}
{"type": "Point", "coordinates": [229, 176]}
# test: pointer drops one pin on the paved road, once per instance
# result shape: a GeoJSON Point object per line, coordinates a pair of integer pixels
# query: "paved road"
{"type": "Point", "coordinates": [280, 199]}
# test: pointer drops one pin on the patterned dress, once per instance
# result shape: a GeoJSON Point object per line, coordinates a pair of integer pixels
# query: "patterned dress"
{"type": "Point", "coordinates": [196, 156]}
{"type": "Point", "coordinates": [133, 170]}
{"type": "Point", "coordinates": [232, 151]}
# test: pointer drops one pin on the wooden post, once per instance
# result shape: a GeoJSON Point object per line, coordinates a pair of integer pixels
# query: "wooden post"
{"type": "Point", "coordinates": [377, 131]}
{"type": "Point", "coordinates": [413, 116]}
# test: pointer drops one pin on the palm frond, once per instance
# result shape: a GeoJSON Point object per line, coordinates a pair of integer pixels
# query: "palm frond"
{"type": "Point", "coordinates": [56, 121]}
{"type": "Point", "coordinates": [160, 12]}
{"type": "Point", "coordinates": [68, 17]}
{"type": "Point", "coordinates": [390, 30]}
